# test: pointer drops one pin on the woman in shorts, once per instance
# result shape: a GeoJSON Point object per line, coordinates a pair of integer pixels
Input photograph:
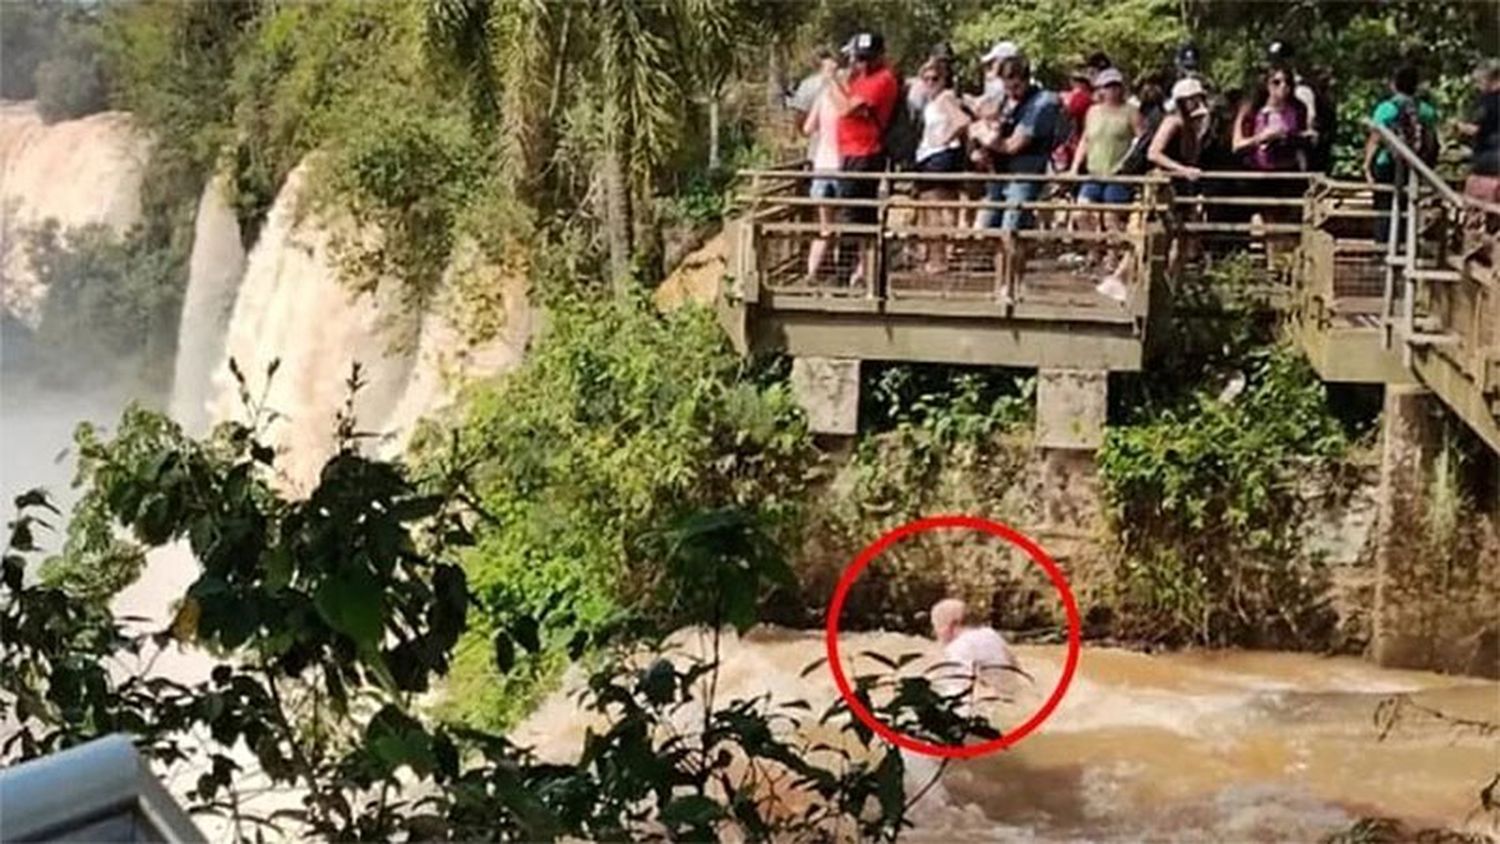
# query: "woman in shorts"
{"type": "Point", "coordinates": [821, 129]}
{"type": "Point", "coordinates": [941, 150]}
{"type": "Point", "coordinates": [1109, 130]}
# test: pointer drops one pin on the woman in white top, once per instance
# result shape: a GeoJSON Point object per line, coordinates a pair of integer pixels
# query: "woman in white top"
{"type": "Point", "coordinates": [821, 128]}
{"type": "Point", "coordinates": [940, 151]}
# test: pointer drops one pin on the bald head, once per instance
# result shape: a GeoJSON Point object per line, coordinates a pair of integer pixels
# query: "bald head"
{"type": "Point", "coordinates": [947, 618]}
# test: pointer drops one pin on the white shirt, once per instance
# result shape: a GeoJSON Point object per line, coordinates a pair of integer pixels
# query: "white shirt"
{"type": "Point", "coordinates": [937, 124]}
{"type": "Point", "coordinates": [823, 145]}
{"type": "Point", "coordinates": [1304, 94]}
{"type": "Point", "coordinates": [978, 649]}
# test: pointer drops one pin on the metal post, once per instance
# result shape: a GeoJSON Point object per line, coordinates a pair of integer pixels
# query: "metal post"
{"type": "Point", "coordinates": [1409, 288]}
{"type": "Point", "coordinates": [1393, 231]}
{"type": "Point", "coordinates": [882, 219]}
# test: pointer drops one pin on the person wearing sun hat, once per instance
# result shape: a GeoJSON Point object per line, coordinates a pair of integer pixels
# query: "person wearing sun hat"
{"type": "Point", "coordinates": [1180, 140]}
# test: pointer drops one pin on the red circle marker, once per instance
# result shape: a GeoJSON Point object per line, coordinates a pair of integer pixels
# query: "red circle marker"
{"type": "Point", "coordinates": [1014, 537]}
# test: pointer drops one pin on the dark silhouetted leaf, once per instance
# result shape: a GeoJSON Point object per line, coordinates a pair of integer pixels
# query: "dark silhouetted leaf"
{"type": "Point", "coordinates": [505, 652]}
{"type": "Point", "coordinates": [693, 810]}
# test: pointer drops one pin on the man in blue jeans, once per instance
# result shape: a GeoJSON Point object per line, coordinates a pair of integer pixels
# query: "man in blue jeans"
{"type": "Point", "coordinates": [1023, 146]}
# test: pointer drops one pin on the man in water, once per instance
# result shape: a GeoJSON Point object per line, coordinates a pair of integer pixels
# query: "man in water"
{"type": "Point", "coordinates": [979, 652]}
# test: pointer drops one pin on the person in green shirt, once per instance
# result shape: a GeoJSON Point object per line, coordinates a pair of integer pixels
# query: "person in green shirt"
{"type": "Point", "coordinates": [1412, 120]}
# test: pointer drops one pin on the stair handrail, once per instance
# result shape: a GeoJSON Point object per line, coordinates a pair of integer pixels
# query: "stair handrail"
{"type": "Point", "coordinates": [1416, 173]}
{"type": "Point", "coordinates": [1411, 160]}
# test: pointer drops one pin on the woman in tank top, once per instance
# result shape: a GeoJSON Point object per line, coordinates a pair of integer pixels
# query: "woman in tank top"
{"type": "Point", "coordinates": [1270, 128]}
{"type": "Point", "coordinates": [1109, 130]}
{"type": "Point", "coordinates": [823, 153]}
{"type": "Point", "coordinates": [1270, 137]}
{"type": "Point", "coordinates": [941, 150]}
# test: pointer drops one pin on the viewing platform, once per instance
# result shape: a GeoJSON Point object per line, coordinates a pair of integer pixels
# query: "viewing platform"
{"type": "Point", "coordinates": [1419, 308]}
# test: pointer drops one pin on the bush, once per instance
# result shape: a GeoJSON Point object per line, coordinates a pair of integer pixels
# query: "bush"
{"type": "Point", "coordinates": [25, 39]}
{"type": "Point", "coordinates": [619, 420]}
{"type": "Point", "coordinates": [1204, 496]}
{"type": "Point", "coordinates": [408, 181]}
{"type": "Point", "coordinates": [111, 303]}
{"type": "Point", "coordinates": [70, 82]}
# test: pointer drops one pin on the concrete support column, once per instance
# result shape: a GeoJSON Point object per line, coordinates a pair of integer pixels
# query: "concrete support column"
{"type": "Point", "coordinates": [1071, 406]}
{"type": "Point", "coordinates": [828, 390]}
{"type": "Point", "coordinates": [1406, 593]}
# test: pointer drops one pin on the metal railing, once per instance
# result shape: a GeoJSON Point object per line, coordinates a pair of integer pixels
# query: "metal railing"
{"type": "Point", "coordinates": [1441, 291]}
{"type": "Point", "coordinates": [926, 238]}
{"type": "Point", "coordinates": [913, 243]}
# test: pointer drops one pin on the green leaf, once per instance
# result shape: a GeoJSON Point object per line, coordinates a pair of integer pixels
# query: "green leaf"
{"type": "Point", "coordinates": [352, 603]}
{"type": "Point", "coordinates": [278, 563]}
{"type": "Point", "coordinates": [578, 644]}
{"type": "Point", "coordinates": [12, 571]}
{"type": "Point", "coordinates": [659, 682]}
{"type": "Point", "coordinates": [36, 497]}
{"type": "Point", "coordinates": [397, 739]}
{"type": "Point", "coordinates": [693, 810]}
{"type": "Point", "coordinates": [813, 666]}
{"type": "Point", "coordinates": [891, 786]}
{"type": "Point", "coordinates": [20, 535]}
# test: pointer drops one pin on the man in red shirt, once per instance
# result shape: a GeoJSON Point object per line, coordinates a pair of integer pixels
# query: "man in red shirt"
{"type": "Point", "coordinates": [865, 103]}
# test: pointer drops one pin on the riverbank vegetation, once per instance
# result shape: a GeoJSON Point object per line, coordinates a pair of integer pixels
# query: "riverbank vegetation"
{"type": "Point", "coordinates": [619, 422]}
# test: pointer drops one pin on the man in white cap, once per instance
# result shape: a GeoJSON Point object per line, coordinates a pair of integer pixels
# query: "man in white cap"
{"type": "Point", "coordinates": [990, 111]}
{"type": "Point", "coordinates": [993, 97]}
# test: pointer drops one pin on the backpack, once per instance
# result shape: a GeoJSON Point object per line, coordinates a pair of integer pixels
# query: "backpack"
{"type": "Point", "coordinates": [1413, 132]}
{"type": "Point", "coordinates": [904, 132]}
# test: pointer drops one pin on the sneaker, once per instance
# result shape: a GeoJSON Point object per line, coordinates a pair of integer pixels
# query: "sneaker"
{"type": "Point", "coordinates": [1072, 259]}
{"type": "Point", "coordinates": [1112, 287]}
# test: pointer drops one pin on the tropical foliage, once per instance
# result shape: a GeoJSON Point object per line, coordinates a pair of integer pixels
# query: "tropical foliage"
{"type": "Point", "coordinates": [620, 421]}
{"type": "Point", "coordinates": [1206, 481]}
{"type": "Point", "coordinates": [323, 620]}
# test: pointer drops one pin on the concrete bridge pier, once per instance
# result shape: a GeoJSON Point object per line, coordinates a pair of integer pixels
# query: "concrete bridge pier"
{"type": "Point", "coordinates": [1402, 634]}
{"type": "Point", "coordinates": [1071, 406]}
{"type": "Point", "coordinates": [828, 390]}
{"type": "Point", "coordinates": [1434, 609]}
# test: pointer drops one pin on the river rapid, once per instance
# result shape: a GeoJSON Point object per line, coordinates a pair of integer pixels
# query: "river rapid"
{"type": "Point", "coordinates": [1186, 746]}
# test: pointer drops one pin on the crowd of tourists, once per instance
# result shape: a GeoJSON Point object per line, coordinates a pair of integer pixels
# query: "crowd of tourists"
{"type": "Point", "coordinates": [860, 118]}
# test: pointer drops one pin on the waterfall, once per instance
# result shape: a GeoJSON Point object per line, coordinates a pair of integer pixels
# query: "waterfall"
{"type": "Point", "coordinates": [444, 358]}
{"type": "Point", "coordinates": [215, 268]}
{"type": "Point", "coordinates": [291, 309]}
{"type": "Point", "coordinates": [74, 171]}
